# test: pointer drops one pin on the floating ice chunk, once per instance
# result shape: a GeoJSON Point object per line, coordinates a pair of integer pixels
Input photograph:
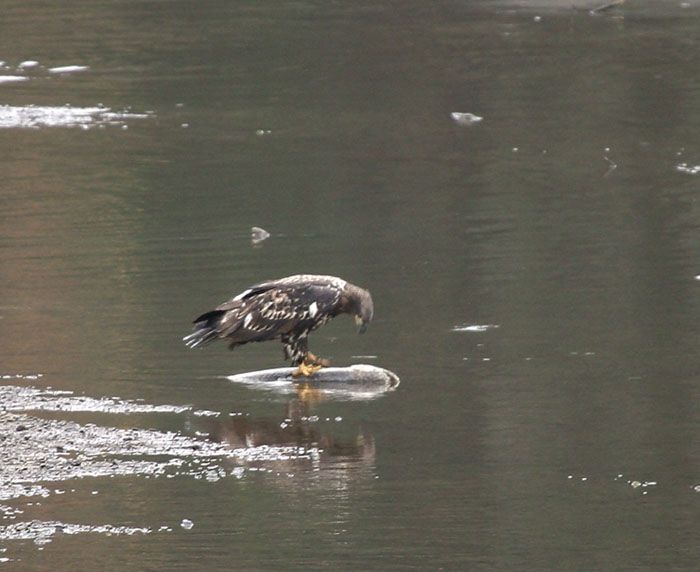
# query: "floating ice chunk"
{"type": "Point", "coordinates": [28, 64]}
{"type": "Point", "coordinates": [12, 78]}
{"type": "Point", "coordinates": [186, 523]}
{"type": "Point", "coordinates": [689, 169]}
{"type": "Point", "coordinates": [465, 118]}
{"type": "Point", "coordinates": [68, 69]}
{"type": "Point", "coordinates": [257, 235]}
{"type": "Point", "coordinates": [475, 328]}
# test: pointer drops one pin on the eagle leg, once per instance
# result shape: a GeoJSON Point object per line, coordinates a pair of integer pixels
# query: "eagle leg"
{"type": "Point", "coordinates": [315, 360]}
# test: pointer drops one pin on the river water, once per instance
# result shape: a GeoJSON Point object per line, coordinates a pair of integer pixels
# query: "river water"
{"type": "Point", "coordinates": [534, 273]}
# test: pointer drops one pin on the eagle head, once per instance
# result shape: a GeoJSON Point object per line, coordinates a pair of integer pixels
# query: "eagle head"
{"type": "Point", "coordinates": [359, 304]}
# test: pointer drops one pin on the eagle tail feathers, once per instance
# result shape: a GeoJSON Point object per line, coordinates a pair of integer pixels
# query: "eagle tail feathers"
{"type": "Point", "coordinates": [207, 329]}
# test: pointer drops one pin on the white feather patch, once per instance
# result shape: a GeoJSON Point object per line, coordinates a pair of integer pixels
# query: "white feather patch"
{"type": "Point", "coordinates": [313, 309]}
{"type": "Point", "coordinates": [243, 294]}
{"type": "Point", "coordinates": [248, 319]}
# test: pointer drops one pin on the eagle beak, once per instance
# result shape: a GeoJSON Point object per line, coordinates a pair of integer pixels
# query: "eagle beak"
{"type": "Point", "coordinates": [361, 325]}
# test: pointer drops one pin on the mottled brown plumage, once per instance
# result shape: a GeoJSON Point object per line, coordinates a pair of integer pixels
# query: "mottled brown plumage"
{"type": "Point", "coordinates": [287, 309]}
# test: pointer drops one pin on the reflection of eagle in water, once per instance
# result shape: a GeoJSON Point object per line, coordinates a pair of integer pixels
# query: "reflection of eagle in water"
{"type": "Point", "coordinates": [287, 309]}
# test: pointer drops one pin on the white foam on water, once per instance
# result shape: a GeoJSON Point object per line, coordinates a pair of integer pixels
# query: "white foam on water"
{"type": "Point", "coordinates": [28, 64]}
{"type": "Point", "coordinates": [34, 117]}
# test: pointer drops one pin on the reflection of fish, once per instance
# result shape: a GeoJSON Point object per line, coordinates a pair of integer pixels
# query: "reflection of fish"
{"type": "Point", "coordinates": [287, 309]}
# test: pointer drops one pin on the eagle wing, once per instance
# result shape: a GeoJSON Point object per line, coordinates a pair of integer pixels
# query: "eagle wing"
{"type": "Point", "coordinates": [289, 307]}
{"type": "Point", "coordinates": [270, 310]}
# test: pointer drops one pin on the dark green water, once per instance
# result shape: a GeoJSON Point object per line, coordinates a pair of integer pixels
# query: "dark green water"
{"type": "Point", "coordinates": [565, 438]}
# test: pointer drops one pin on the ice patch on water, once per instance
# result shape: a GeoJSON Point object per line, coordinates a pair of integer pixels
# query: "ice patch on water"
{"type": "Point", "coordinates": [35, 399]}
{"type": "Point", "coordinates": [475, 327]}
{"type": "Point", "coordinates": [689, 169]}
{"type": "Point", "coordinates": [34, 117]}
{"type": "Point", "coordinates": [461, 118]}
{"type": "Point", "coordinates": [68, 69]}
{"type": "Point", "coordinates": [258, 235]}
{"type": "Point", "coordinates": [42, 532]}
{"type": "Point", "coordinates": [12, 78]}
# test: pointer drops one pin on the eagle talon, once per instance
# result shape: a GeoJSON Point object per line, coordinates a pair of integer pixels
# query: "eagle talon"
{"type": "Point", "coordinates": [305, 369]}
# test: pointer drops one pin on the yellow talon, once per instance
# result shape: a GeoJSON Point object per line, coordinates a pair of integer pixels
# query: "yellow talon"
{"type": "Point", "coordinates": [305, 369]}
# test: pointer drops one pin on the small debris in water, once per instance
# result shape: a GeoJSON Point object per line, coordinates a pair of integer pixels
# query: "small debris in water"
{"type": "Point", "coordinates": [537, 18]}
{"type": "Point", "coordinates": [257, 235]}
{"type": "Point", "coordinates": [611, 165]}
{"type": "Point", "coordinates": [186, 523]}
{"type": "Point", "coordinates": [28, 64]}
{"type": "Point", "coordinates": [261, 132]}
{"type": "Point", "coordinates": [467, 119]}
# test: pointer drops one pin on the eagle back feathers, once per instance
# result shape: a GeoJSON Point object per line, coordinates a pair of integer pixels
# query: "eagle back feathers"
{"type": "Point", "coordinates": [288, 308]}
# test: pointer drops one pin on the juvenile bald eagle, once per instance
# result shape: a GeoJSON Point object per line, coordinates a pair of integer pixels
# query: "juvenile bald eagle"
{"type": "Point", "coordinates": [287, 309]}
